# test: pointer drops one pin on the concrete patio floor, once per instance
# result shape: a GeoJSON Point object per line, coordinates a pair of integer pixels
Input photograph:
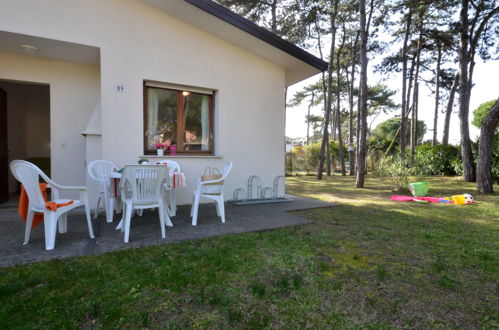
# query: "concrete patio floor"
{"type": "Point", "coordinates": [145, 230]}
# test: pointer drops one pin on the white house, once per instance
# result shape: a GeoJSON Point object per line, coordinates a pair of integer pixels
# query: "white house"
{"type": "Point", "coordinates": [107, 79]}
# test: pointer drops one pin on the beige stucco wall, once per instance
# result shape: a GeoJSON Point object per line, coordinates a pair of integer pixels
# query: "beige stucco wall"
{"type": "Point", "coordinates": [138, 43]}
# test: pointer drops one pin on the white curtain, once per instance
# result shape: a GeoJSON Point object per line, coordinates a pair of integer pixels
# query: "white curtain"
{"type": "Point", "coordinates": [205, 122]}
{"type": "Point", "coordinates": [152, 117]}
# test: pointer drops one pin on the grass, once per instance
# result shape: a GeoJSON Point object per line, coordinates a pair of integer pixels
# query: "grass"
{"type": "Point", "coordinates": [369, 263]}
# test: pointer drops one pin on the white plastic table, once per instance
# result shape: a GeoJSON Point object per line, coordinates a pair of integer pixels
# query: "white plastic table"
{"type": "Point", "coordinates": [171, 209]}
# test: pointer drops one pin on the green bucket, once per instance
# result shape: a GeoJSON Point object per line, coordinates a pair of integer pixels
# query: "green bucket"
{"type": "Point", "coordinates": [419, 189]}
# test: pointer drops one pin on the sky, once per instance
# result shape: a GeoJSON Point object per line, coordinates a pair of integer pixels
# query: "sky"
{"type": "Point", "coordinates": [485, 89]}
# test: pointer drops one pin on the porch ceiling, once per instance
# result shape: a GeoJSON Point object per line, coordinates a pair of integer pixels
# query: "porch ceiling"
{"type": "Point", "coordinates": [49, 48]}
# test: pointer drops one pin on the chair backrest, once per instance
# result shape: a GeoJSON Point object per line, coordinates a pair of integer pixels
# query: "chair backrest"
{"type": "Point", "coordinates": [174, 166]}
{"type": "Point", "coordinates": [100, 169]}
{"type": "Point", "coordinates": [145, 182]}
{"type": "Point", "coordinates": [217, 188]}
{"type": "Point", "coordinates": [226, 170]}
{"type": "Point", "coordinates": [29, 175]}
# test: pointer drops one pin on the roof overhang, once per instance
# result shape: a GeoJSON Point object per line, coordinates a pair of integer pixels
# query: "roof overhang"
{"type": "Point", "coordinates": [222, 22]}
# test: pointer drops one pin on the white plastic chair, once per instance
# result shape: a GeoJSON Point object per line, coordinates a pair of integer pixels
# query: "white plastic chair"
{"type": "Point", "coordinates": [214, 192]}
{"type": "Point", "coordinates": [100, 170]}
{"type": "Point", "coordinates": [28, 174]}
{"type": "Point", "coordinates": [141, 188]}
{"type": "Point", "coordinates": [171, 196]}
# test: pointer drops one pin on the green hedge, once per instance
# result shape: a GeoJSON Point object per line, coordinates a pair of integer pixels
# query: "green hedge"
{"type": "Point", "coordinates": [437, 160]}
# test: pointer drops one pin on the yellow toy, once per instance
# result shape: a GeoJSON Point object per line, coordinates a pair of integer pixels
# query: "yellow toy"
{"type": "Point", "coordinates": [460, 199]}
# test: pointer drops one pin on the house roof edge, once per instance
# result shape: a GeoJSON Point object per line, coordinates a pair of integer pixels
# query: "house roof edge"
{"type": "Point", "coordinates": [253, 29]}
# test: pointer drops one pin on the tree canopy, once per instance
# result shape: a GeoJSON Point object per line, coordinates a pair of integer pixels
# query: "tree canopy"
{"type": "Point", "coordinates": [389, 128]}
{"type": "Point", "coordinates": [481, 112]}
{"type": "Point", "coordinates": [432, 43]}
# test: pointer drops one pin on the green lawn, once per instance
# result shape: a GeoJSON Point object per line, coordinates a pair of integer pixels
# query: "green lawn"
{"type": "Point", "coordinates": [368, 263]}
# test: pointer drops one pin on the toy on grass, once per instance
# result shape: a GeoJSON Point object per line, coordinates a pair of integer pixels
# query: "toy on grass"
{"type": "Point", "coordinates": [419, 189]}
{"type": "Point", "coordinates": [456, 200]}
{"type": "Point", "coordinates": [461, 199]}
{"type": "Point", "coordinates": [468, 199]}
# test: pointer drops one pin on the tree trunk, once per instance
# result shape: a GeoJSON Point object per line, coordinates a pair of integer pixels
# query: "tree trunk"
{"type": "Point", "coordinates": [334, 136]}
{"type": "Point", "coordinates": [414, 122]}
{"type": "Point", "coordinates": [325, 135]}
{"type": "Point", "coordinates": [404, 85]}
{"type": "Point", "coordinates": [324, 92]}
{"type": "Point", "coordinates": [329, 160]}
{"type": "Point", "coordinates": [448, 112]}
{"type": "Point", "coordinates": [361, 152]}
{"type": "Point", "coordinates": [273, 24]}
{"type": "Point", "coordinates": [338, 112]}
{"type": "Point", "coordinates": [483, 171]}
{"type": "Point", "coordinates": [437, 95]}
{"type": "Point", "coordinates": [408, 99]}
{"type": "Point", "coordinates": [464, 95]}
{"type": "Point", "coordinates": [357, 127]}
{"type": "Point", "coordinates": [351, 152]}
{"type": "Point", "coordinates": [308, 118]}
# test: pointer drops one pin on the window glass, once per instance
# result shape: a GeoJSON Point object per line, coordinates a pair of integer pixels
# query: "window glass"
{"type": "Point", "coordinates": [178, 117]}
{"type": "Point", "coordinates": [161, 117]}
{"type": "Point", "coordinates": [196, 109]}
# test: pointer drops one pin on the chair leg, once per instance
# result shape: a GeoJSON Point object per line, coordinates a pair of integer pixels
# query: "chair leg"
{"type": "Point", "coordinates": [106, 205]}
{"type": "Point", "coordinates": [123, 215]}
{"type": "Point", "coordinates": [50, 224]}
{"type": "Point", "coordinates": [192, 204]}
{"type": "Point", "coordinates": [63, 223]}
{"type": "Point", "coordinates": [162, 215]}
{"type": "Point", "coordinates": [119, 206]}
{"type": "Point", "coordinates": [173, 203]}
{"type": "Point", "coordinates": [96, 212]}
{"type": "Point", "coordinates": [221, 207]}
{"type": "Point", "coordinates": [128, 218]}
{"type": "Point", "coordinates": [166, 204]}
{"type": "Point", "coordinates": [194, 210]}
{"type": "Point", "coordinates": [168, 220]}
{"type": "Point", "coordinates": [217, 207]}
{"type": "Point", "coordinates": [29, 223]}
{"type": "Point", "coordinates": [89, 218]}
{"type": "Point", "coordinates": [110, 210]}
{"type": "Point", "coordinates": [122, 220]}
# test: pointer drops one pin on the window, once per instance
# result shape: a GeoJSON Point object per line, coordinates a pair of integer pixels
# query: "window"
{"type": "Point", "coordinates": [179, 116]}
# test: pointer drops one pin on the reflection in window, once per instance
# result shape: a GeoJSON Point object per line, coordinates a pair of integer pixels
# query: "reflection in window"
{"type": "Point", "coordinates": [196, 109]}
{"type": "Point", "coordinates": [161, 117]}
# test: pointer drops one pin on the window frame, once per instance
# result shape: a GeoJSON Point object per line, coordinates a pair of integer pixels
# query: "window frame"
{"type": "Point", "coordinates": [180, 120]}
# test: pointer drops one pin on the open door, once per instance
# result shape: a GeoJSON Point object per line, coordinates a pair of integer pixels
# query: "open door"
{"type": "Point", "coordinates": [4, 161]}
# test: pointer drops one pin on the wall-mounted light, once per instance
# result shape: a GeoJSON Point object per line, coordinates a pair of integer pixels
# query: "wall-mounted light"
{"type": "Point", "coordinates": [186, 93]}
{"type": "Point", "coordinates": [30, 49]}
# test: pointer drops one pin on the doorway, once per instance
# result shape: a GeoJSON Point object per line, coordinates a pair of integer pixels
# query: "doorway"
{"type": "Point", "coordinates": [24, 132]}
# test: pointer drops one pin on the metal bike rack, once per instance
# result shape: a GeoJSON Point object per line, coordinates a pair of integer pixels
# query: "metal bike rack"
{"type": "Point", "coordinates": [256, 195]}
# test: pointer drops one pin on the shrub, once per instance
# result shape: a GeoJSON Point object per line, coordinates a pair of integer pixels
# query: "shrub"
{"type": "Point", "coordinates": [437, 160]}
{"type": "Point", "coordinates": [306, 158]}
{"type": "Point", "coordinates": [398, 173]}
